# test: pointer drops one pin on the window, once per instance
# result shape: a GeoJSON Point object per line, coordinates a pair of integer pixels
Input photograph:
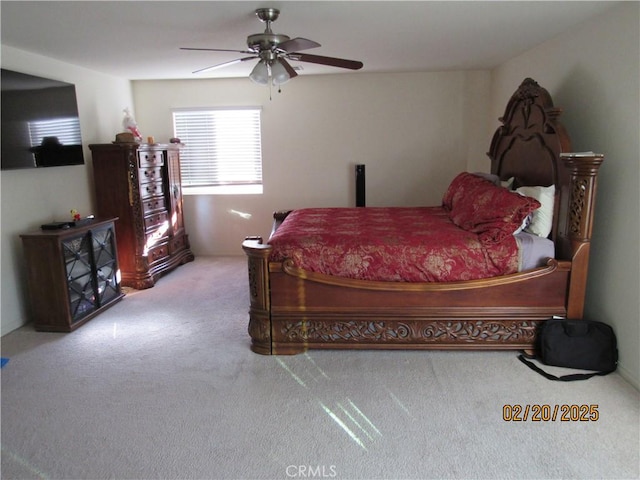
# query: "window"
{"type": "Point", "coordinates": [65, 130]}
{"type": "Point", "coordinates": [223, 150]}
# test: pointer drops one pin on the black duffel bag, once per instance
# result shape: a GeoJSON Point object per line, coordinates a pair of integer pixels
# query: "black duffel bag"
{"type": "Point", "coordinates": [580, 344]}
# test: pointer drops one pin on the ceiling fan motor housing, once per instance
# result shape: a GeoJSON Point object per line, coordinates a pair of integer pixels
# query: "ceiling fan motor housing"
{"type": "Point", "coordinates": [265, 41]}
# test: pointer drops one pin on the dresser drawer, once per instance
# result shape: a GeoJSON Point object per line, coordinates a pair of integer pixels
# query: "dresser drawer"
{"type": "Point", "coordinates": [153, 204]}
{"type": "Point", "coordinates": [150, 174]}
{"type": "Point", "coordinates": [150, 159]}
{"type": "Point", "coordinates": [151, 189]}
{"type": "Point", "coordinates": [155, 237]}
{"type": "Point", "coordinates": [156, 220]}
{"type": "Point", "coordinates": [178, 243]}
{"type": "Point", "coordinates": [158, 253]}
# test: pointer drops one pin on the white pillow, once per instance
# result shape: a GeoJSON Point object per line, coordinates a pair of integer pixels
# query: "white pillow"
{"type": "Point", "coordinates": [508, 184]}
{"type": "Point", "coordinates": [542, 218]}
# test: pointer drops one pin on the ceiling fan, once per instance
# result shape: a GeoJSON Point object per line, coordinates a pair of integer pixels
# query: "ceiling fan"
{"type": "Point", "coordinates": [274, 51]}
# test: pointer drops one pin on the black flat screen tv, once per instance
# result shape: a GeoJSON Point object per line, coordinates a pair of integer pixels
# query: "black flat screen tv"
{"type": "Point", "coordinates": [40, 122]}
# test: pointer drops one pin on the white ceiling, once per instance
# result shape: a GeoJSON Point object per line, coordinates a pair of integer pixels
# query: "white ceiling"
{"type": "Point", "coordinates": [140, 39]}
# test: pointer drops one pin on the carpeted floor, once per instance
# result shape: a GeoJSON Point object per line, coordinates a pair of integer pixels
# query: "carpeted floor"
{"type": "Point", "coordinates": [163, 386]}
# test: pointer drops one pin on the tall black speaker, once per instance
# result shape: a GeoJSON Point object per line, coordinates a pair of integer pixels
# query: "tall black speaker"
{"type": "Point", "coordinates": [360, 186]}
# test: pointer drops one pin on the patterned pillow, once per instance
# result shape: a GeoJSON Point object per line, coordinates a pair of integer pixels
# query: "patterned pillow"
{"type": "Point", "coordinates": [478, 206]}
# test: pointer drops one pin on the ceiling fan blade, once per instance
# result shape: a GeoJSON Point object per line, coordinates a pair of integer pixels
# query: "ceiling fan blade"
{"type": "Point", "coordinates": [334, 62]}
{"type": "Point", "coordinates": [297, 44]}
{"type": "Point", "coordinates": [216, 50]}
{"type": "Point", "coordinates": [287, 66]}
{"type": "Point", "coordinates": [225, 64]}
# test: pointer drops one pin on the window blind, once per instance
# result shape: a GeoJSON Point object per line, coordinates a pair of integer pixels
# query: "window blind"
{"type": "Point", "coordinates": [222, 146]}
{"type": "Point", "coordinates": [66, 130]}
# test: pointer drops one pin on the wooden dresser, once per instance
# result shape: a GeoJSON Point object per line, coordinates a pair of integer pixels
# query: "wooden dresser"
{"type": "Point", "coordinates": [140, 184]}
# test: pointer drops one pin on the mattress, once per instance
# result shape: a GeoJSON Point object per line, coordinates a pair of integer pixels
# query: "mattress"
{"type": "Point", "coordinates": [533, 250]}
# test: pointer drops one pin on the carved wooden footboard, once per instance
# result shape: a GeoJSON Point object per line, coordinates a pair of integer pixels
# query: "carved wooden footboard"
{"type": "Point", "coordinates": [293, 310]}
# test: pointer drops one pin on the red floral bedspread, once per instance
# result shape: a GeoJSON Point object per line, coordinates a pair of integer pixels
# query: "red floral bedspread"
{"type": "Point", "coordinates": [402, 244]}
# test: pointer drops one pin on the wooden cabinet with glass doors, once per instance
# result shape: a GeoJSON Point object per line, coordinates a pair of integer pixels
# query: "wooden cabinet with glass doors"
{"type": "Point", "coordinates": [72, 274]}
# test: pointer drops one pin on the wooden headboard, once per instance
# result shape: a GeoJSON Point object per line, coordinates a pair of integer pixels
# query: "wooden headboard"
{"type": "Point", "coordinates": [528, 144]}
{"type": "Point", "coordinates": [533, 147]}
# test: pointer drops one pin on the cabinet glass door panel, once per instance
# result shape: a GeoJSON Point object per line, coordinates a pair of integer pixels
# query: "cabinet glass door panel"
{"type": "Point", "coordinates": [77, 258]}
{"type": "Point", "coordinates": [80, 281]}
{"type": "Point", "coordinates": [108, 286]}
{"type": "Point", "coordinates": [104, 249]}
{"type": "Point", "coordinates": [82, 299]}
{"type": "Point", "coordinates": [104, 254]}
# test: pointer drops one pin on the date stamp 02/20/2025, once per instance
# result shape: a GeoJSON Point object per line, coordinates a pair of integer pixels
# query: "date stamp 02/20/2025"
{"type": "Point", "coordinates": [550, 413]}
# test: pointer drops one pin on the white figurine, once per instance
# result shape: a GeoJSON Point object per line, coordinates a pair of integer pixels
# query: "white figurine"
{"type": "Point", "coordinates": [130, 125]}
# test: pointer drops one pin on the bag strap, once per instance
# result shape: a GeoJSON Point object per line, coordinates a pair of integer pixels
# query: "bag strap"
{"type": "Point", "coordinates": [564, 378]}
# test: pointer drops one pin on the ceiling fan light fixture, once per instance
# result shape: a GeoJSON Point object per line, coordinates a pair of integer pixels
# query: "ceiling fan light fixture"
{"type": "Point", "coordinates": [279, 73]}
{"type": "Point", "coordinates": [260, 73]}
{"type": "Point", "coordinates": [274, 51]}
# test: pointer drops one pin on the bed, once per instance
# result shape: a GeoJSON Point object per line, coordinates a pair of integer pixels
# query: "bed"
{"type": "Point", "coordinates": [299, 301]}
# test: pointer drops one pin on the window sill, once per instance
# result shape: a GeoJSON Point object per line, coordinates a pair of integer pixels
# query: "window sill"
{"type": "Point", "coordinates": [224, 190]}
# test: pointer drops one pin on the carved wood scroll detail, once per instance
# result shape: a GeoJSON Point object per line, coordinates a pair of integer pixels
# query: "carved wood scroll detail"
{"type": "Point", "coordinates": [134, 193]}
{"type": "Point", "coordinates": [254, 281]}
{"type": "Point", "coordinates": [577, 206]}
{"type": "Point", "coordinates": [445, 331]}
{"type": "Point", "coordinates": [259, 329]}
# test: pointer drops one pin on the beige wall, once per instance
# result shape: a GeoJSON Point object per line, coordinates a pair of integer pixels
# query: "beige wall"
{"type": "Point", "coordinates": [593, 73]}
{"type": "Point", "coordinates": [413, 131]}
{"type": "Point", "coordinates": [33, 197]}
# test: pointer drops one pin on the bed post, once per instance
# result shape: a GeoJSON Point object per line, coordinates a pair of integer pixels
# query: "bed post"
{"type": "Point", "coordinates": [260, 309]}
{"type": "Point", "coordinates": [577, 223]}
